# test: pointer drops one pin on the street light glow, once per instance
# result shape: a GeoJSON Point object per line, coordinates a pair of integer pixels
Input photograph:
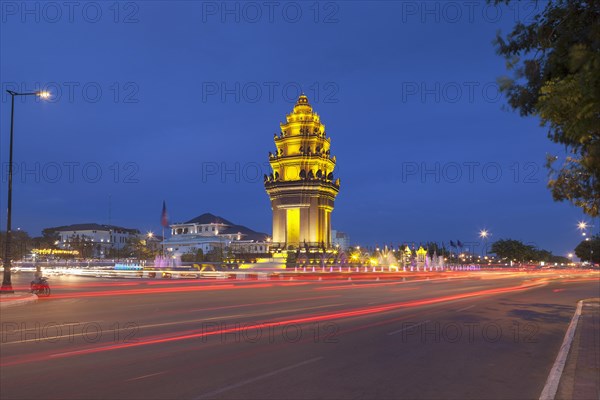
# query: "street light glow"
{"type": "Point", "coordinates": [43, 94]}
{"type": "Point", "coordinates": [483, 234]}
{"type": "Point", "coordinates": [582, 225]}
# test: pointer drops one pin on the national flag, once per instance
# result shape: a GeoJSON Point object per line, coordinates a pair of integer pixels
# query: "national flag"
{"type": "Point", "coordinates": [164, 218]}
{"type": "Point", "coordinates": [452, 244]}
{"type": "Point", "coordinates": [459, 244]}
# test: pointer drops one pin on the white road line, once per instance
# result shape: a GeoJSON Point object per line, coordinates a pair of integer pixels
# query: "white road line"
{"type": "Point", "coordinates": [559, 364]}
{"type": "Point", "coordinates": [408, 327]}
{"type": "Point", "coordinates": [466, 308]}
{"type": "Point", "coordinates": [257, 378]}
{"type": "Point", "coordinates": [70, 336]}
{"type": "Point", "coordinates": [74, 335]}
{"type": "Point", "coordinates": [145, 376]}
{"type": "Point", "coordinates": [49, 325]}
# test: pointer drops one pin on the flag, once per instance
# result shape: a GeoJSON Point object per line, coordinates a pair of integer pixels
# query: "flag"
{"type": "Point", "coordinates": [164, 219]}
{"type": "Point", "coordinates": [459, 244]}
{"type": "Point", "coordinates": [452, 244]}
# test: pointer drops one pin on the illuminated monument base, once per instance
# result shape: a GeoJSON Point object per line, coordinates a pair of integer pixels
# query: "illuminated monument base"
{"type": "Point", "coordinates": [302, 216]}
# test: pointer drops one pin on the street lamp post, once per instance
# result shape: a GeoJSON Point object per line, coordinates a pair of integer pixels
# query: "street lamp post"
{"type": "Point", "coordinates": [582, 226]}
{"type": "Point", "coordinates": [6, 278]}
{"type": "Point", "coordinates": [483, 234]}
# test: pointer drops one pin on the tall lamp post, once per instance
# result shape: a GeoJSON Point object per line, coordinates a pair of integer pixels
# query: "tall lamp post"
{"type": "Point", "coordinates": [582, 226]}
{"type": "Point", "coordinates": [483, 234]}
{"type": "Point", "coordinates": [6, 278]}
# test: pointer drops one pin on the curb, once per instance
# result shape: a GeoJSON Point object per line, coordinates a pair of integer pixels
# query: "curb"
{"type": "Point", "coordinates": [551, 386]}
{"type": "Point", "coordinates": [31, 298]}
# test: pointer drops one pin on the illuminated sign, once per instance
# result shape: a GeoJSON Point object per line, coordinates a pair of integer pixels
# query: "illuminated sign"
{"type": "Point", "coordinates": [55, 252]}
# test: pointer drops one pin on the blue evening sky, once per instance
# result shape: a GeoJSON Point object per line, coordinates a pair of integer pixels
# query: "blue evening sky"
{"type": "Point", "coordinates": [178, 101]}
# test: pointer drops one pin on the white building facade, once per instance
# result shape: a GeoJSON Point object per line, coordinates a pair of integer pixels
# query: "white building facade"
{"type": "Point", "coordinates": [101, 238]}
{"type": "Point", "coordinates": [340, 240]}
{"type": "Point", "coordinates": [209, 232]}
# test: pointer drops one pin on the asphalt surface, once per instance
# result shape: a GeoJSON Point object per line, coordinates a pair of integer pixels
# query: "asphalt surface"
{"type": "Point", "coordinates": [458, 335]}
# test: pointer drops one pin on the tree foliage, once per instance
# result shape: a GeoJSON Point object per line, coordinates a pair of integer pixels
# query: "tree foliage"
{"type": "Point", "coordinates": [555, 63]}
{"type": "Point", "coordinates": [138, 248]}
{"type": "Point", "coordinates": [21, 244]}
{"type": "Point", "coordinates": [516, 250]}
{"type": "Point", "coordinates": [589, 250]}
{"type": "Point", "coordinates": [193, 256]}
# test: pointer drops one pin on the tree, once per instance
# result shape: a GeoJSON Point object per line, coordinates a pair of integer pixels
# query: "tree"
{"type": "Point", "coordinates": [83, 244]}
{"type": "Point", "coordinates": [589, 249]}
{"type": "Point", "coordinates": [516, 250]}
{"type": "Point", "coordinates": [214, 255]}
{"type": "Point", "coordinates": [21, 244]}
{"type": "Point", "coordinates": [435, 248]}
{"type": "Point", "coordinates": [197, 256]}
{"type": "Point", "coordinates": [555, 62]}
{"type": "Point", "coordinates": [48, 240]}
{"type": "Point", "coordinates": [138, 248]}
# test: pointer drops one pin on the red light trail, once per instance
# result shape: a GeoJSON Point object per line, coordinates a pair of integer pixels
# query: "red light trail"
{"type": "Point", "coordinates": [195, 334]}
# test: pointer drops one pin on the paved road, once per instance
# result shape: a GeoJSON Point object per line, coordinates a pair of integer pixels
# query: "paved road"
{"type": "Point", "coordinates": [440, 335]}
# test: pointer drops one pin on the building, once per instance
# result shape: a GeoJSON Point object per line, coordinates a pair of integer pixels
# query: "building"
{"type": "Point", "coordinates": [208, 232]}
{"type": "Point", "coordinates": [340, 240]}
{"type": "Point", "coordinates": [302, 188]}
{"type": "Point", "coordinates": [93, 240]}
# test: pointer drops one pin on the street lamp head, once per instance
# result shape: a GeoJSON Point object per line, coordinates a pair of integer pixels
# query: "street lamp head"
{"type": "Point", "coordinates": [582, 225]}
{"type": "Point", "coordinates": [483, 233]}
{"type": "Point", "coordinates": [44, 94]}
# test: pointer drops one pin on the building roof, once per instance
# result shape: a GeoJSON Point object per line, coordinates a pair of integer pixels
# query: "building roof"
{"type": "Point", "coordinates": [208, 218]}
{"type": "Point", "coordinates": [247, 233]}
{"type": "Point", "coordinates": [230, 229]}
{"type": "Point", "coordinates": [91, 227]}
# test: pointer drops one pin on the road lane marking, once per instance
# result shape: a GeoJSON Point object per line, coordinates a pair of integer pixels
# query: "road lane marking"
{"type": "Point", "coordinates": [559, 364]}
{"type": "Point", "coordinates": [40, 339]}
{"type": "Point", "coordinates": [47, 325]}
{"type": "Point", "coordinates": [189, 321]}
{"type": "Point", "coordinates": [466, 308]}
{"type": "Point", "coordinates": [408, 327]}
{"type": "Point", "coordinates": [145, 376]}
{"type": "Point", "coordinates": [257, 378]}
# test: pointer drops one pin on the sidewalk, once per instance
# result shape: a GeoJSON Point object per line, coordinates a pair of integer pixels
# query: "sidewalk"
{"type": "Point", "coordinates": [581, 377]}
{"type": "Point", "coordinates": [16, 299]}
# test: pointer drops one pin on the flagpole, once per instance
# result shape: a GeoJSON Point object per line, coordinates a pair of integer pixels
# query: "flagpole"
{"type": "Point", "coordinates": [164, 221]}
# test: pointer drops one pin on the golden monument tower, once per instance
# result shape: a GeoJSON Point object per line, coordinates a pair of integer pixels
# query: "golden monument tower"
{"type": "Point", "coordinates": [301, 187]}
